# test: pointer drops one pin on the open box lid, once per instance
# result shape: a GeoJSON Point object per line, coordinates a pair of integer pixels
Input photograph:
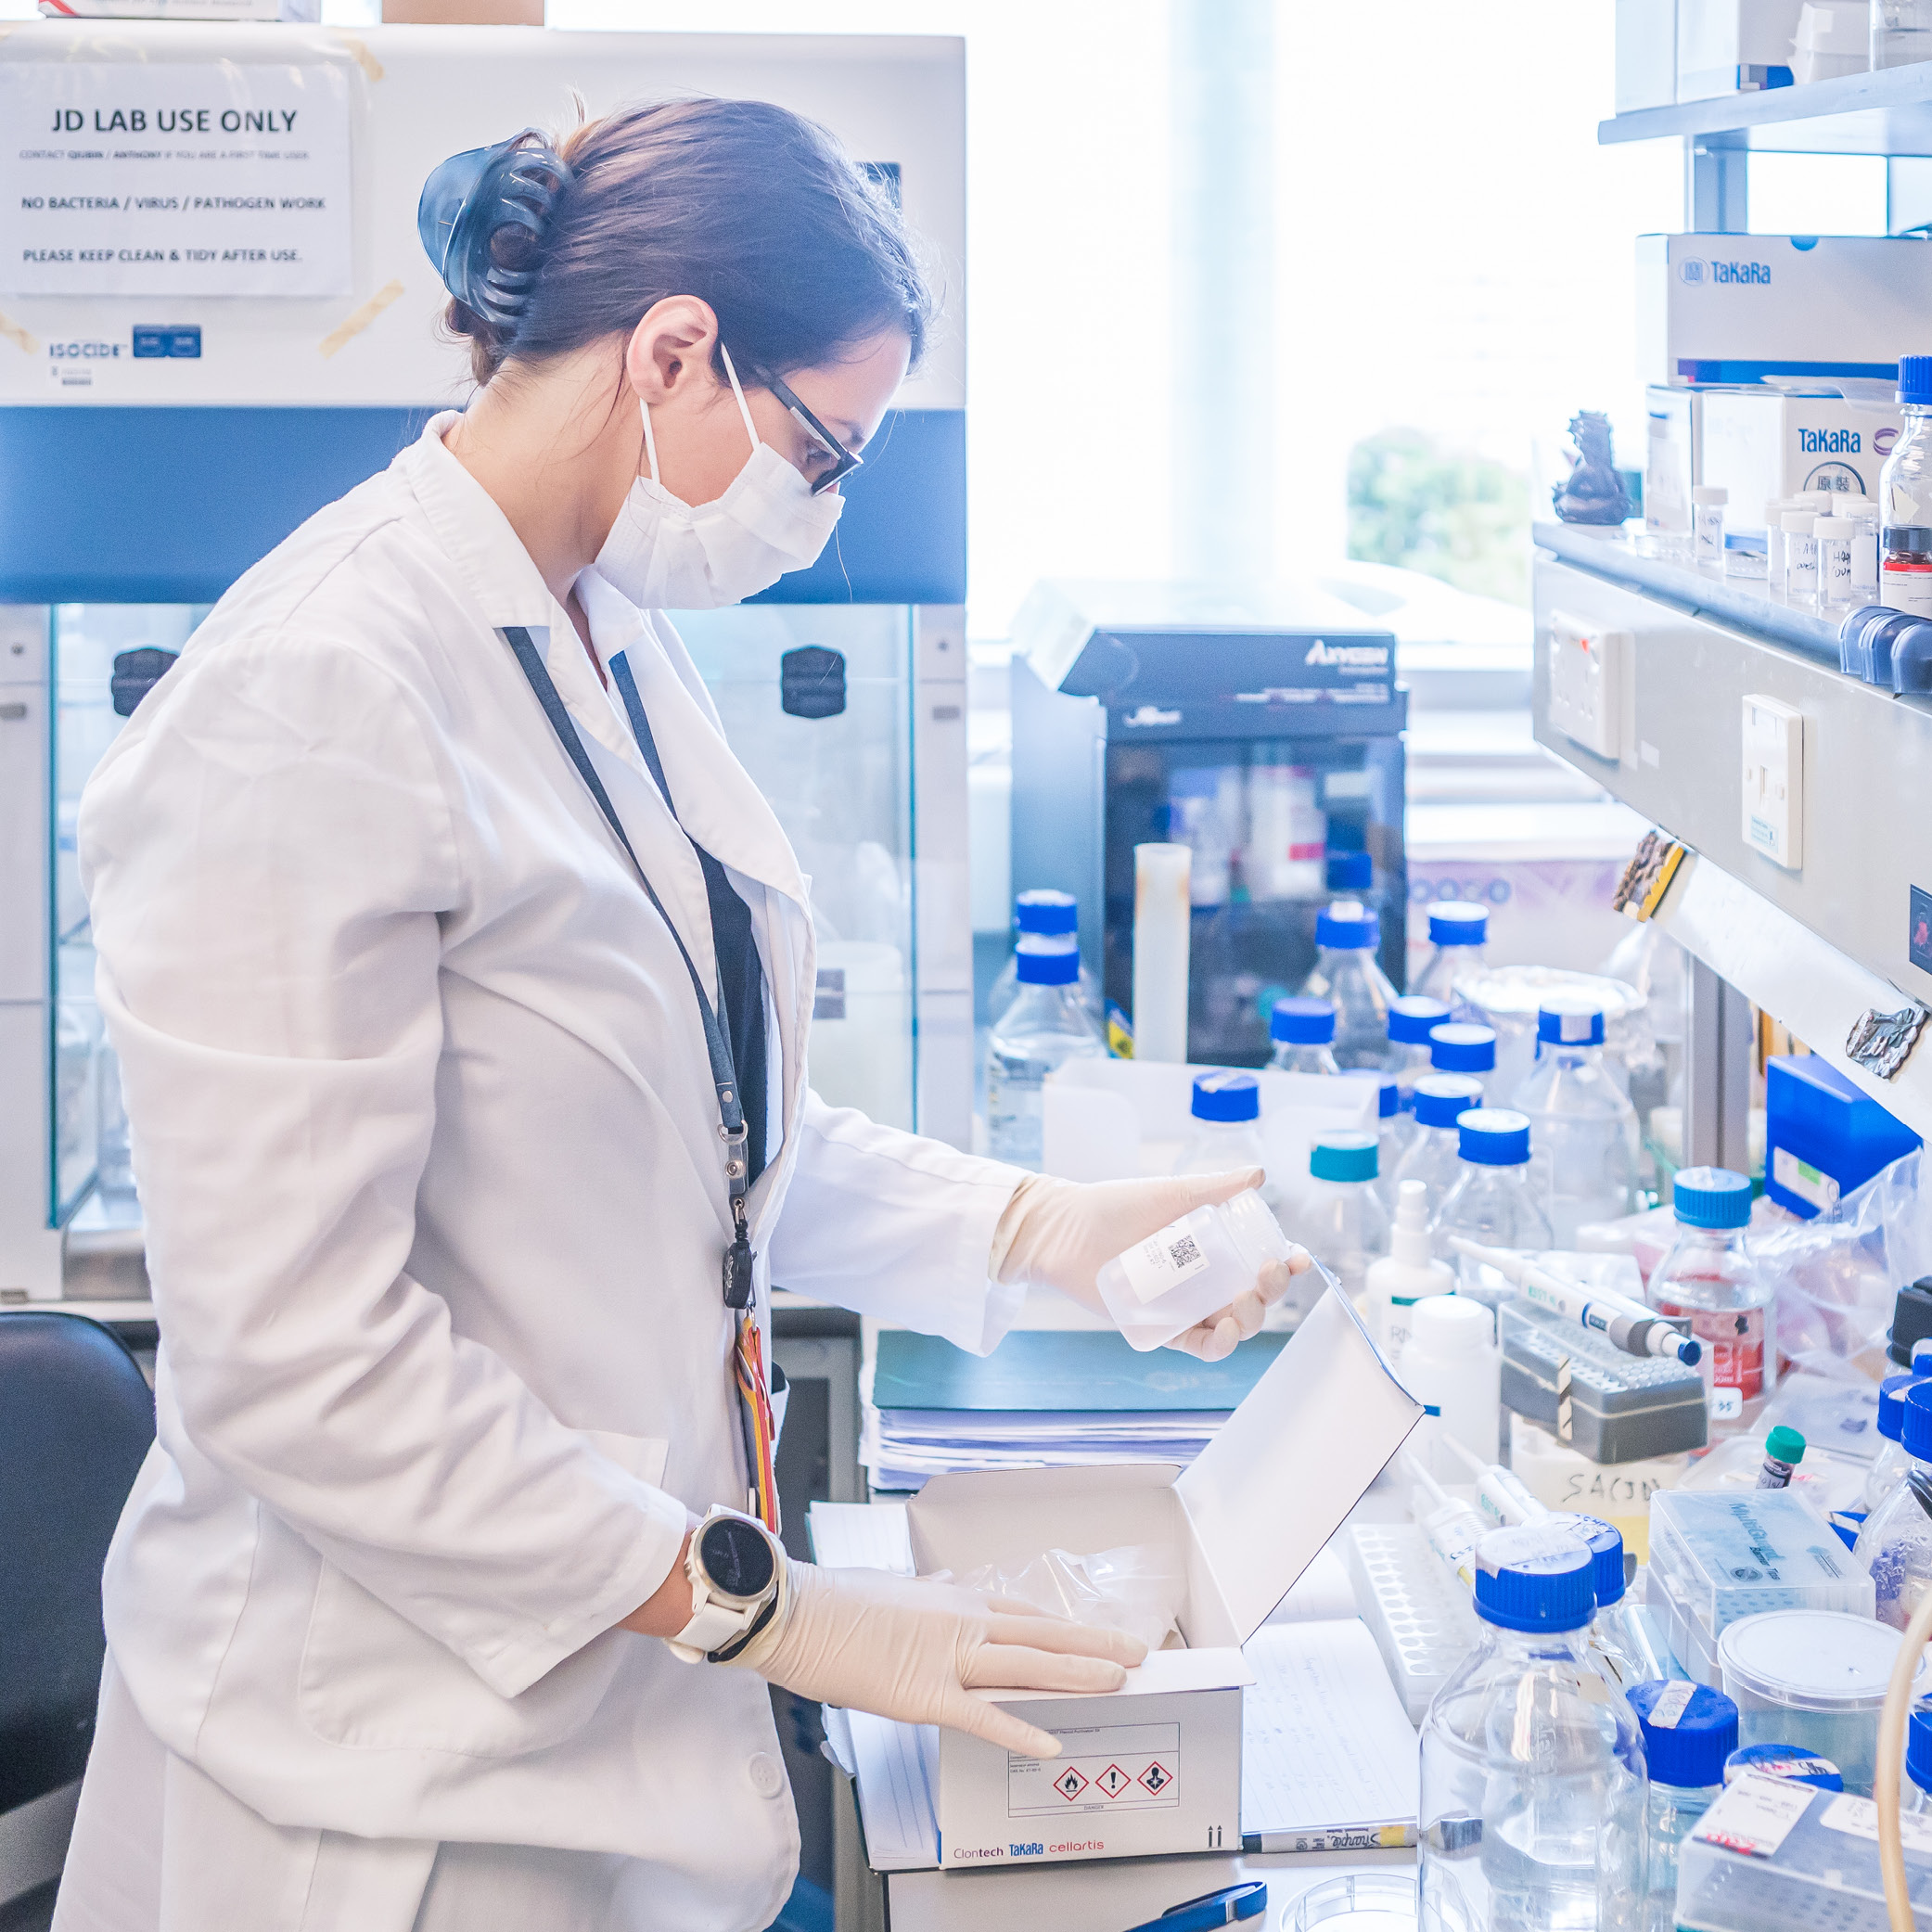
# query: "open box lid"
{"type": "Point", "coordinates": [1251, 1513]}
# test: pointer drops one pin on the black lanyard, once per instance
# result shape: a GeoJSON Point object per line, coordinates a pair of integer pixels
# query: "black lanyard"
{"type": "Point", "coordinates": [731, 1113]}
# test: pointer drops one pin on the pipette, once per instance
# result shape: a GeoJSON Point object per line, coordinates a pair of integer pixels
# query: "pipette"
{"type": "Point", "coordinates": [1499, 1492]}
{"type": "Point", "coordinates": [1629, 1324]}
{"type": "Point", "coordinates": [1448, 1526]}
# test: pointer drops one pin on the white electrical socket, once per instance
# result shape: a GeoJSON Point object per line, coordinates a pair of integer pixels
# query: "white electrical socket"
{"type": "Point", "coordinates": [1774, 780]}
{"type": "Point", "coordinates": [1588, 672]}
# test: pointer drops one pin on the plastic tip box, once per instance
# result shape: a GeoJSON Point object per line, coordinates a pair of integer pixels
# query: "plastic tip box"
{"type": "Point", "coordinates": [1717, 1556]}
{"type": "Point", "coordinates": [1622, 1408]}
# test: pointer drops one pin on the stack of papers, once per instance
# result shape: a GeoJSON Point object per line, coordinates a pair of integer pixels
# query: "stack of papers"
{"type": "Point", "coordinates": [1043, 1396]}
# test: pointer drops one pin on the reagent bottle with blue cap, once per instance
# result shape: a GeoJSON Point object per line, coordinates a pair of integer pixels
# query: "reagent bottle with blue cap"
{"type": "Point", "coordinates": [1347, 976]}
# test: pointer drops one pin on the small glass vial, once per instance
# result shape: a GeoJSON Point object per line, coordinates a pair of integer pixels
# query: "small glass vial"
{"type": "Point", "coordinates": [1708, 526]}
{"type": "Point", "coordinates": [1303, 1032]}
{"type": "Point", "coordinates": [1774, 539]}
{"type": "Point", "coordinates": [1689, 1731]}
{"type": "Point", "coordinates": [1801, 556]}
{"type": "Point", "coordinates": [1863, 513]}
{"type": "Point", "coordinates": [1836, 536]}
{"type": "Point", "coordinates": [1164, 1284]}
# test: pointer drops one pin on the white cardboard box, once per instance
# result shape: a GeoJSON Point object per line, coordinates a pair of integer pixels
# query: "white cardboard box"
{"type": "Point", "coordinates": [1670, 459]}
{"type": "Point", "coordinates": [1646, 54]}
{"type": "Point", "coordinates": [1760, 444]}
{"type": "Point", "coordinates": [1736, 308]}
{"type": "Point", "coordinates": [1155, 1766]}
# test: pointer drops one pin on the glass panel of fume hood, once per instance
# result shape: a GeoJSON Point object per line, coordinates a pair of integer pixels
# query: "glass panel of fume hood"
{"type": "Point", "coordinates": [842, 788]}
{"type": "Point", "coordinates": [1263, 819]}
{"type": "Point", "coordinates": [89, 1126]}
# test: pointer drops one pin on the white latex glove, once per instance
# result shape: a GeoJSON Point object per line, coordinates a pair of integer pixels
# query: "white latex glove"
{"type": "Point", "coordinates": [1061, 1234]}
{"type": "Point", "coordinates": [915, 1648]}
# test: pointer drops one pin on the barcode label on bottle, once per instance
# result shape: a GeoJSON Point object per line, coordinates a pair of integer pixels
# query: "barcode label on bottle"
{"type": "Point", "coordinates": [1162, 1261]}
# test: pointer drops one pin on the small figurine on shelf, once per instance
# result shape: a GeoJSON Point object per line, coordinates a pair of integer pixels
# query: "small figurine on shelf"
{"type": "Point", "coordinates": [1592, 492]}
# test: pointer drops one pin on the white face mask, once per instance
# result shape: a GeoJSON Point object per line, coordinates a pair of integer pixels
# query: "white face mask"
{"type": "Point", "coordinates": [664, 554]}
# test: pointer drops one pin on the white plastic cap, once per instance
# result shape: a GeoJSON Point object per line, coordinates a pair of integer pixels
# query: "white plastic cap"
{"type": "Point", "coordinates": [1447, 1324]}
{"type": "Point", "coordinates": [1834, 527]}
{"type": "Point", "coordinates": [1709, 494]}
{"type": "Point", "coordinates": [1798, 523]}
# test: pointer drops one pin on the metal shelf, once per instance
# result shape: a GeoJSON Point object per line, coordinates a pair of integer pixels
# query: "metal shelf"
{"type": "Point", "coordinates": [1888, 112]}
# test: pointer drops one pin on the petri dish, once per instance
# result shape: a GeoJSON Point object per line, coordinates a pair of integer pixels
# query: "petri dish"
{"type": "Point", "coordinates": [1372, 1901]}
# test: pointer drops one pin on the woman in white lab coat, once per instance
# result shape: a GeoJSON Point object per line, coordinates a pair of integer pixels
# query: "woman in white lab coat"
{"type": "Point", "coordinates": [461, 981]}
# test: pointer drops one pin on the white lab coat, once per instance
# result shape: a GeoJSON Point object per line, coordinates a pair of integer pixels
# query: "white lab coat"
{"type": "Point", "coordinates": [428, 1146]}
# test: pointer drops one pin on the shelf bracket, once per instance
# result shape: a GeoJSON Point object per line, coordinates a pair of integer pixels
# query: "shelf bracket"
{"type": "Point", "coordinates": [1716, 196]}
{"type": "Point", "coordinates": [1719, 1040]}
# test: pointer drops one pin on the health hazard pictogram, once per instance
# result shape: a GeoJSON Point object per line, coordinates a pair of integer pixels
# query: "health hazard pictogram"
{"type": "Point", "coordinates": [1113, 1780]}
{"type": "Point", "coordinates": [1156, 1778]}
{"type": "Point", "coordinates": [1070, 1784]}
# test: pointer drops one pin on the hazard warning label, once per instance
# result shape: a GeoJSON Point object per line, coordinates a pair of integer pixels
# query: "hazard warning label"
{"type": "Point", "coordinates": [1119, 1768]}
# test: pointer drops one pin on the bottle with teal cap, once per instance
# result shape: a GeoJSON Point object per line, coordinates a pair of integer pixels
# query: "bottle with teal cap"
{"type": "Point", "coordinates": [1533, 1786]}
{"type": "Point", "coordinates": [1392, 1128]}
{"type": "Point", "coordinates": [1340, 1219]}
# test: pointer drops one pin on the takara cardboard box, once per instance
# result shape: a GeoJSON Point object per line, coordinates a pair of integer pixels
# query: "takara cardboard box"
{"type": "Point", "coordinates": [1758, 444]}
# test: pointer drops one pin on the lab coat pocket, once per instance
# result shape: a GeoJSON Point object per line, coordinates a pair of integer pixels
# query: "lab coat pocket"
{"type": "Point", "coordinates": [371, 1680]}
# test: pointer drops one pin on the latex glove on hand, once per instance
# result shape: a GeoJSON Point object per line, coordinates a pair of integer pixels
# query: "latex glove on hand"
{"type": "Point", "coordinates": [914, 1648]}
{"type": "Point", "coordinates": [1060, 1233]}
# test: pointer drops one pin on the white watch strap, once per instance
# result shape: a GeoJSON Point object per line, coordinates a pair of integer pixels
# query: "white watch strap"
{"type": "Point", "coordinates": [710, 1629]}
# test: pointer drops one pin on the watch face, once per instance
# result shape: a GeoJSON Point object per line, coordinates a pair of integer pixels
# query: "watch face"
{"type": "Point", "coordinates": [736, 1558]}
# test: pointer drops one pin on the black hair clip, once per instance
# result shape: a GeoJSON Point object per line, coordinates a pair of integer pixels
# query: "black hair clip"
{"type": "Point", "coordinates": [471, 196]}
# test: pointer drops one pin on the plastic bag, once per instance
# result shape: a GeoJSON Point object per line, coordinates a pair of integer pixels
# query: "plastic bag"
{"type": "Point", "coordinates": [1138, 1587]}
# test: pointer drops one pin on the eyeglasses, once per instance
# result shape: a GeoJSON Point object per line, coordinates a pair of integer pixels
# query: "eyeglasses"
{"type": "Point", "coordinates": [844, 461]}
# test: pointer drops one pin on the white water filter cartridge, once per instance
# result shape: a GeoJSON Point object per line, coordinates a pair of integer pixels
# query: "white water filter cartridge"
{"type": "Point", "coordinates": [1161, 906]}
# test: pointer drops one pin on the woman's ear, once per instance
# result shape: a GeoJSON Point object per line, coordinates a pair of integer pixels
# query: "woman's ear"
{"type": "Point", "coordinates": [671, 348]}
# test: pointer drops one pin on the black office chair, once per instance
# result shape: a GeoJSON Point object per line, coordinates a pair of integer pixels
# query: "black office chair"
{"type": "Point", "coordinates": [76, 1417]}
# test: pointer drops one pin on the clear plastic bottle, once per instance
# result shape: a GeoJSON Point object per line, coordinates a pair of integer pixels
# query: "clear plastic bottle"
{"type": "Point", "coordinates": [1532, 1785]}
{"type": "Point", "coordinates": [1905, 497]}
{"type": "Point", "coordinates": [1393, 1129]}
{"type": "Point", "coordinates": [1188, 1268]}
{"type": "Point", "coordinates": [1044, 921]}
{"type": "Point", "coordinates": [1345, 976]}
{"type": "Point", "coordinates": [1495, 1199]}
{"type": "Point", "coordinates": [1460, 1046]}
{"type": "Point", "coordinates": [1412, 1018]}
{"type": "Point", "coordinates": [1689, 1730]}
{"type": "Point", "coordinates": [1901, 32]}
{"type": "Point", "coordinates": [1709, 1277]}
{"type": "Point", "coordinates": [1459, 935]}
{"type": "Point", "coordinates": [1226, 1110]}
{"type": "Point", "coordinates": [1888, 1467]}
{"type": "Point", "coordinates": [1895, 1541]}
{"type": "Point", "coordinates": [1303, 1032]}
{"type": "Point", "coordinates": [1340, 1219]}
{"type": "Point", "coordinates": [1433, 1153]}
{"type": "Point", "coordinates": [1581, 1121]}
{"type": "Point", "coordinates": [1044, 1028]}
{"type": "Point", "coordinates": [1619, 1641]}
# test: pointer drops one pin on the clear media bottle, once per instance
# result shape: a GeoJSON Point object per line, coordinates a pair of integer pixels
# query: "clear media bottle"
{"type": "Point", "coordinates": [1494, 1200]}
{"type": "Point", "coordinates": [1462, 1047]}
{"type": "Point", "coordinates": [1434, 1154]}
{"type": "Point", "coordinates": [1188, 1268]}
{"type": "Point", "coordinates": [1708, 1276]}
{"type": "Point", "coordinates": [1905, 497]}
{"type": "Point", "coordinates": [1347, 976]}
{"type": "Point", "coordinates": [1393, 1129]}
{"type": "Point", "coordinates": [1406, 1274]}
{"type": "Point", "coordinates": [1895, 1541]}
{"type": "Point", "coordinates": [1411, 1020]}
{"type": "Point", "coordinates": [1888, 1467]}
{"type": "Point", "coordinates": [1046, 1027]}
{"type": "Point", "coordinates": [1620, 1640]}
{"type": "Point", "coordinates": [1459, 933]}
{"type": "Point", "coordinates": [1044, 921]}
{"type": "Point", "coordinates": [1303, 1032]}
{"type": "Point", "coordinates": [1532, 1785]}
{"type": "Point", "coordinates": [1341, 1219]}
{"type": "Point", "coordinates": [1226, 1110]}
{"type": "Point", "coordinates": [1581, 1121]}
{"type": "Point", "coordinates": [1689, 1731]}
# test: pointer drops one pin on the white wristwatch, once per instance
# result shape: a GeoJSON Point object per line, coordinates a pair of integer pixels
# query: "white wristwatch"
{"type": "Point", "coordinates": [736, 1568]}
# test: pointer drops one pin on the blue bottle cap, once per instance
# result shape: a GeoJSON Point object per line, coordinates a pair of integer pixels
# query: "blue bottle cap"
{"type": "Point", "coordinates": [1388, 1097]}
{"type": "Point", "coordinates": [1344, 1157]}
{"type": "Point", "coordinates": [1442, 1098]}
{"type": "Point", "coordinates": [1533, 1578]}
{"type": "Point", "coordinates": [1454, 922]}
{"type": "Point", "coordinates": [1918, 1747]}
{"type": "Point", "coordinates": [1891, 1406]}
{"type": "Point", "coordinates": [1569, 1025]}
{"type": "Point", "coordinates": [1226, 1095]}
{"type": "Point", "coordinates": [1689, 1731]}
{"type": "Point", "coordinates": [1302, 1022]}
{"type": "Point", "coordinates": [1348, 925]}
{"type": "Point", "coordinates": [1784, 1760]}
{"type": "Point", "coordinates": [1044, 911]}
{"type": "Point", "coordinates": [1456, 1048]}
{"type": "Point", "coordinates": [1493, 1136]}
{"type": "Point", "coordinates": [1917, 1433]}
{"type": "Point", "coordinates": [1042, 967]}
{"type": "Point", "coordinates": [1605, 1543]}
{"type": "Point", "coordinates": [1350, 872]}
{"type": "Point", "coordinates": [1916, 381]}
{"type": "Point", "coordinates": [1711, 1198]}
{"type": "Point", "coordinates": [1410, 1018]}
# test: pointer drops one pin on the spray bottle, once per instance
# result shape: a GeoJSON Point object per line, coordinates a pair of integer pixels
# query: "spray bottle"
{"type": "Point", "coordinates": [1406, 1274]}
